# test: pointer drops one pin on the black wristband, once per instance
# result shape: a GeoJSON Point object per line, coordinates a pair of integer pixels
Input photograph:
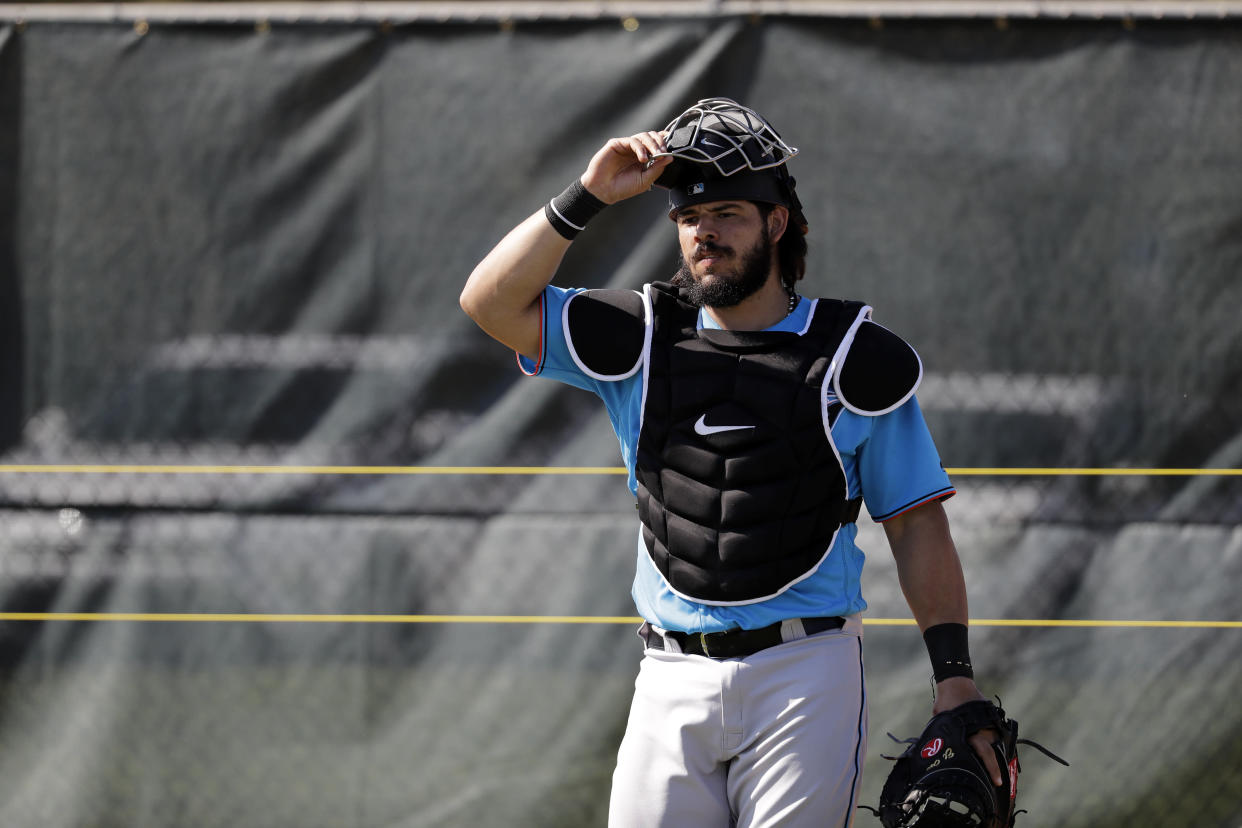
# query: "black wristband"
{"type": "Point", "coordinates": [570, 211]}
{"type": "Point", "coordinates": [948, 645]}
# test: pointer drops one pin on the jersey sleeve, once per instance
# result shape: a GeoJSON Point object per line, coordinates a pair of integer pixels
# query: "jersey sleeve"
{"type": "Point", "coordinates": [899, 467]}
{"type": "Point", "coordinates": [622, 396]}
{"type": "Point", "coordinates": [588, 336]}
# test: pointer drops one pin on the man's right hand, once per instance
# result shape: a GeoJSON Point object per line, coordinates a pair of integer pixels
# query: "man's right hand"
{"type": "Point", "coordinates": [625, 167]}
{"type": "Point", "coordinates": [502, 293]}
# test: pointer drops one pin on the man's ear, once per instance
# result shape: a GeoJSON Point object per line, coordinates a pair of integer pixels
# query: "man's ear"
{"type": "Point", "coordinates": [778, 222]}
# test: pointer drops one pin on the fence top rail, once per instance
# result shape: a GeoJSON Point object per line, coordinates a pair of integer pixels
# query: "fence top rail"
{"type": "Point", "coordinates": [511, 11]}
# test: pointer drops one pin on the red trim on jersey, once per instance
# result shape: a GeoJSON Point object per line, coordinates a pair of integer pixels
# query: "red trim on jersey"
{"type": "Point", "coordinates": [539, 362]}
{"type": "Point", "coordinates": [941, 495]}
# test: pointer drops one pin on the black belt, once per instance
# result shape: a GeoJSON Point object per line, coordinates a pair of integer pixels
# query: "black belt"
{"type": "Point", "coordinates": [737, 643]}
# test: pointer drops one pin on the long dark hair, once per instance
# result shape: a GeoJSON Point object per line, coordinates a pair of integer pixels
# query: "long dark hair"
{"type": "Point", "coordinates": [791, 249]}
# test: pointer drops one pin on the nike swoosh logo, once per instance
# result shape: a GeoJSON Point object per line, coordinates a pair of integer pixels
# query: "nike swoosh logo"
{"type": "Point", "coordinates": [701, 427]}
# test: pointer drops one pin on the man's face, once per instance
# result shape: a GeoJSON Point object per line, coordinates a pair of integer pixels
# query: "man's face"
{"type": "Point", "coordinates": [726, 252]}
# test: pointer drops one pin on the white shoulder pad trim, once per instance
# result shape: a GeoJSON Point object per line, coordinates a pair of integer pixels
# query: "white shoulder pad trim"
{"type": "Point", "coordinates": [839, 363]}
{"type": "Point", "coordinates": [810, 317]}
{"type": "Point", "coordinates": [829, 391]}
{"type": "Point", "coordinates": [573, 353]}
{"type": "Point", "coordinates": [644, 360]}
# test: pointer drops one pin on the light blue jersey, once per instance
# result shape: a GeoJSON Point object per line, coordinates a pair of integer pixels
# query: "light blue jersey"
{"type": "Point", "coordinates": [889, 460]}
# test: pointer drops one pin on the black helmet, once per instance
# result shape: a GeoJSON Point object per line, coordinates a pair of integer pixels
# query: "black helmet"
{"type": "Point", "coordinates": [723, 150]}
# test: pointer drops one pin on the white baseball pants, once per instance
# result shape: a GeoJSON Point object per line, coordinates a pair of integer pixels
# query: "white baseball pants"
{"type": "Point", "coordinates": [773, 739]}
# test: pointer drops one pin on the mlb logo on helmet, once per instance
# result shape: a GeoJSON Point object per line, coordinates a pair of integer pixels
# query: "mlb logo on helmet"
{"type": "Point", "coordinates": [695, 189]}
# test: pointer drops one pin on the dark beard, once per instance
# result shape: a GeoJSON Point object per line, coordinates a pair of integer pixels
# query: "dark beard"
{"type": "Point", "coordinates": [727, 293]}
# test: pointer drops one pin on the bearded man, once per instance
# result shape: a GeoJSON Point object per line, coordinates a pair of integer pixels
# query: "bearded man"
{"type": "Point", "coordinates": [754, 424]}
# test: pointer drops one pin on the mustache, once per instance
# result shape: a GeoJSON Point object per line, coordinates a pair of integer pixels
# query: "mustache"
{"type": "Point", "coordinates": [707, 248]}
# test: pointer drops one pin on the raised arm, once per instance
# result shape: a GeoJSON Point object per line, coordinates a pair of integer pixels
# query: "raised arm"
{"type": "Point", "coordinates": [502, 293]}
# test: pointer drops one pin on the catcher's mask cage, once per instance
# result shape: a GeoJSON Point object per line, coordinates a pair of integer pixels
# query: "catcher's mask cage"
{"type": "Point", "coordinates": [723, 150]}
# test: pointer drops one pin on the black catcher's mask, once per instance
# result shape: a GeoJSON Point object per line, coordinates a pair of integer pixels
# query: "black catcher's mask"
{"type": "Point", "coordinates": [723, 150]}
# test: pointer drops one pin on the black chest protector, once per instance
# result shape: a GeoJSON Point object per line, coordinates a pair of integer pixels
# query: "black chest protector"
{"type": "Point", "coordinates": [740, 489]}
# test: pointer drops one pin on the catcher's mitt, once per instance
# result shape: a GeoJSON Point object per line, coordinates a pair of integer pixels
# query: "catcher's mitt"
{"type": "Point", "coordinates": [940, 782]}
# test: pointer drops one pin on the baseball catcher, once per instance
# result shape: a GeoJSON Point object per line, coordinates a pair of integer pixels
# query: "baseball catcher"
{"type": "Point", "coordinates": [940, 781]}
{"type": "Point", "coordinates": [755, 423]}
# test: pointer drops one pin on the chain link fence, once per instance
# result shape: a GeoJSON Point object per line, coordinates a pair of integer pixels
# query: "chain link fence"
{"type": "Point", "coordinates": [284, 540]}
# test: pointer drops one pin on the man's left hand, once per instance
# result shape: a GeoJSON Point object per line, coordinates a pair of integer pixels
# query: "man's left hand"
{"type": "Point", "coordinates": [956, 691]}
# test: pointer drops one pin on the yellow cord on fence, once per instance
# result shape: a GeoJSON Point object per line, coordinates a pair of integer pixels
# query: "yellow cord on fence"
{"type": "Point", "coordinates": [138, 468]}
{"type": "Point", "coordinates": [549, 619]}
{"type": "Point", "coordinates": [327, 618]}
{"type": "Point", "coordinates": [69, 468]}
